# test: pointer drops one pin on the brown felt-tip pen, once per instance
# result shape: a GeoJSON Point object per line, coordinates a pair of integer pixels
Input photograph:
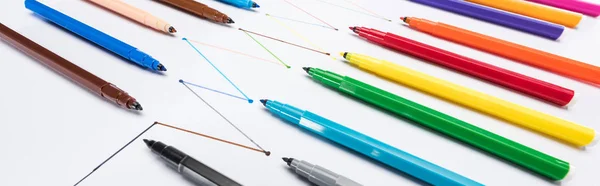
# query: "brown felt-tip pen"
{"type": "Point", "coordinates": [66, 68]}
{"type": "Point", "coordinates": [198, 9]}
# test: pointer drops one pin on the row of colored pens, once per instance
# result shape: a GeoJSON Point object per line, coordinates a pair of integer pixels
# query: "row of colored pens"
{"type": "Point", "coordinates": [532, 16]}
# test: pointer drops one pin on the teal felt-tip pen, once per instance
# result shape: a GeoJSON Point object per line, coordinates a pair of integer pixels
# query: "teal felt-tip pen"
{"type": "Point", "coordinates": [370, 147]}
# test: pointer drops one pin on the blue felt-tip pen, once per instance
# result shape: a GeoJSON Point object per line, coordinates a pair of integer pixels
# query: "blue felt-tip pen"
{"type": "Point", "coordinates": [104, 40]}
{"type": "Point", "coordinates": [370, 147]}
{"type": "Point", "coordinates": [247, 4]}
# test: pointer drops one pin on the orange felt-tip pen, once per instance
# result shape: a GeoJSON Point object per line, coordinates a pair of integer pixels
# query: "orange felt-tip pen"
{"type": "Point", "coordinates": [550, 62]}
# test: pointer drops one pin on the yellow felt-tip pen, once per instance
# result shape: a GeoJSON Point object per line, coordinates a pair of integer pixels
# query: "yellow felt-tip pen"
{"type": "Point", "coordinates": [566, 131]}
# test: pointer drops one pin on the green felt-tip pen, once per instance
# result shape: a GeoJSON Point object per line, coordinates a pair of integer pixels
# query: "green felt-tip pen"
{"type": "Point", "coordinates": [536, 161]}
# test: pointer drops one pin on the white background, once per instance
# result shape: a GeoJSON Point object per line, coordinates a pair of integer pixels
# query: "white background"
{"type": "Point", "coordinates": [54, 132]}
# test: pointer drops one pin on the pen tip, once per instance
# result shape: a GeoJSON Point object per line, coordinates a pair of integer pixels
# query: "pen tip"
{"type": "Point", "coordinates": [148, 142]}
{"type": "Point", "coordinates": [254, 5]}
{"type": "Point", "coordinates": [136, 105]}
{"type": "Point", "coordinates": [161, 67]}
{"type": "Point", "coordinates": [288, 160]}
{"type": "Point", "coordinates": [229, 20]}
{"type": "Point", "coordinates": [344, 54]}
{"type": "Point", "coordinates": [264, 101]}
{"type": "Point", "coordinates": [405, 19]}
{"type": "Point", "coordinates": [268, 153]}
{"type": "Point", "coordinates": [172, 29]}
{"type": "Point", "coordinates": [307, 69]}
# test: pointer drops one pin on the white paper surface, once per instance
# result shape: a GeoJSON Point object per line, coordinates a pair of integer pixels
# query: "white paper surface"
{"type": "Point", "coordinates": [55, 132]}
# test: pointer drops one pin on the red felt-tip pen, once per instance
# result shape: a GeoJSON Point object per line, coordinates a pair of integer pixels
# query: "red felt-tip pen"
{"type": "Point", "coordinates": [542, 90]}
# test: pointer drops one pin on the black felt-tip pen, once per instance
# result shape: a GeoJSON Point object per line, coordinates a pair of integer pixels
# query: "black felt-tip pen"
{"type": "Point", "coordinates": [190, 167]}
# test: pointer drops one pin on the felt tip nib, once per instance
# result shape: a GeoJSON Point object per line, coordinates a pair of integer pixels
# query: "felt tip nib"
{"type": "Point", "coordinates": [264, 101]}
{"type": "Point", "coordinates": [172, 30]}
{"type": "Point", "coordinates": [148, 142]}
{"type": "Point", "coordinates": [254, 5]}
{"type": "Point", "coordinates": [307, 69]}
{"type": "Point", "coordinates": [229, 20]}
{"type": "Point", "coordinates": [405, 19]}
{"type": "Point", "coordinates": [288, 160]}
{"type": "Point", "coordinates": [161, 67]}
{"type": "Point", "coordinates": [135, 105]}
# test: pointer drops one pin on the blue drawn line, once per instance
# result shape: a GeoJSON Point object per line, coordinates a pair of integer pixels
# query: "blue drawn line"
{"type": "Point", "coordinates": [238, 89]}
{"type": "Point", "coordinates": [314, 24]}
{"type": "Point", "coordinates": [206, 88]}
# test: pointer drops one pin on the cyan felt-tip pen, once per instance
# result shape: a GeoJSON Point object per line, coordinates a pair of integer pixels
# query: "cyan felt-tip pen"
{"type": "Point", "coordinates": [367, 146]}
{"type": "Point", "coordinates": [247, 4]}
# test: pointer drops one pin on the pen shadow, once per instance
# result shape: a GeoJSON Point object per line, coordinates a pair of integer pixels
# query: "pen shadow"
{"type": "Point", "coordinates": [97, 46]}
{"type": "Point", "coordinates": [194, 15]}
{"type": "Point", "coordinates": [70, 80]}
{"type": "Point", "coordinates": [129, 19]}
{"type": "Point", "coordinates": [441, 135]}
{"type": "Point", "coordinates": [355, 154]}
{"type": "Point", "coordinates": [499, 86]}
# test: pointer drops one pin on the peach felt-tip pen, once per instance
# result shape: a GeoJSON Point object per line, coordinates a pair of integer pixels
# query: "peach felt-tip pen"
{"type": "Point", "coordinates": [136, 14]}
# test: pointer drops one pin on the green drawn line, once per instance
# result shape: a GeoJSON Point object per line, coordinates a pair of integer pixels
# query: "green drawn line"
{"type": "Point", "coordinates": [266, 49]}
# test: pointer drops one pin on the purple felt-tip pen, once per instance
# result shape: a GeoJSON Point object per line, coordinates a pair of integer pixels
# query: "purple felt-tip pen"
{"type": "Point", "coordinates": [499, 17]}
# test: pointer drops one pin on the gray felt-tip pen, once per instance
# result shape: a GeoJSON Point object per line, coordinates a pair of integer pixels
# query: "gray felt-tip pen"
{"type": "Point", "coordinates": [318, 175]}
{"type": "Point", "coordinates": [191, 168]}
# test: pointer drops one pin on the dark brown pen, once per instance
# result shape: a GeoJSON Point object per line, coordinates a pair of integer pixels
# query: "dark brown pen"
{"type": "Point", "coordinates": [72, 71]}
{"type": "Point", "coordinates": [198, 9]}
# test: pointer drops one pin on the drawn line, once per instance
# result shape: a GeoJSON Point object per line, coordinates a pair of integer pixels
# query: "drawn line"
{"type": "Point", "coordinates": [215, 67]}
{"type": "Point", "coordinates": [310, 14]}
{"type": "Point", "coordinates": [114, 154]}
{"type": "Point", "coordinates": [368, 10]}
{"type": "Point", "coordinates": [367, 14]}
{"type": "Point", "coordinates": [296, 45]}
{"type": "Point", "coordinates": [289, 19]}
{"type": "Point", "coordinates": [263, 46]}
{"type": "Point", "coordinates": [169, 126]}
{"type": "Point", "coordinates": [222, 116]}
{"type": "Point", "coordinates": [206, 88]}
{"type": "Point", "coordinates": [237, 52]}
{"type": "Point", "coordinates": [297, 34]}
{"type": "Point", "coordinates": [214, 138]}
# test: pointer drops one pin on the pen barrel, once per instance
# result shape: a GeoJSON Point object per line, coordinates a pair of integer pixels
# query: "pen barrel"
{"type": "Point", "coordinates": [566, 131]}
{"type": "Point", "coordinates": [197, 9]}
{"type": "Point", "coordinates": [525, 24]}
{"type": "Point", "coordinates": [529, 9]}
{"type": "Point", "coordinates": [542, 90]}
{"type": "Point", "coordinates": [134, 13]}
{"type": "Point", "coordinates": [526, 55]}
{"type": "Point", "coordinates": [382, 152]}
{"type": "Point", "coordinates": [108, 42]}
{"type": "Point", "coordinates": [489, 142]}
{"type": "Point", "coordinates": [583, 7]}
{"type": "Point", "coordinates": [198, 168]}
